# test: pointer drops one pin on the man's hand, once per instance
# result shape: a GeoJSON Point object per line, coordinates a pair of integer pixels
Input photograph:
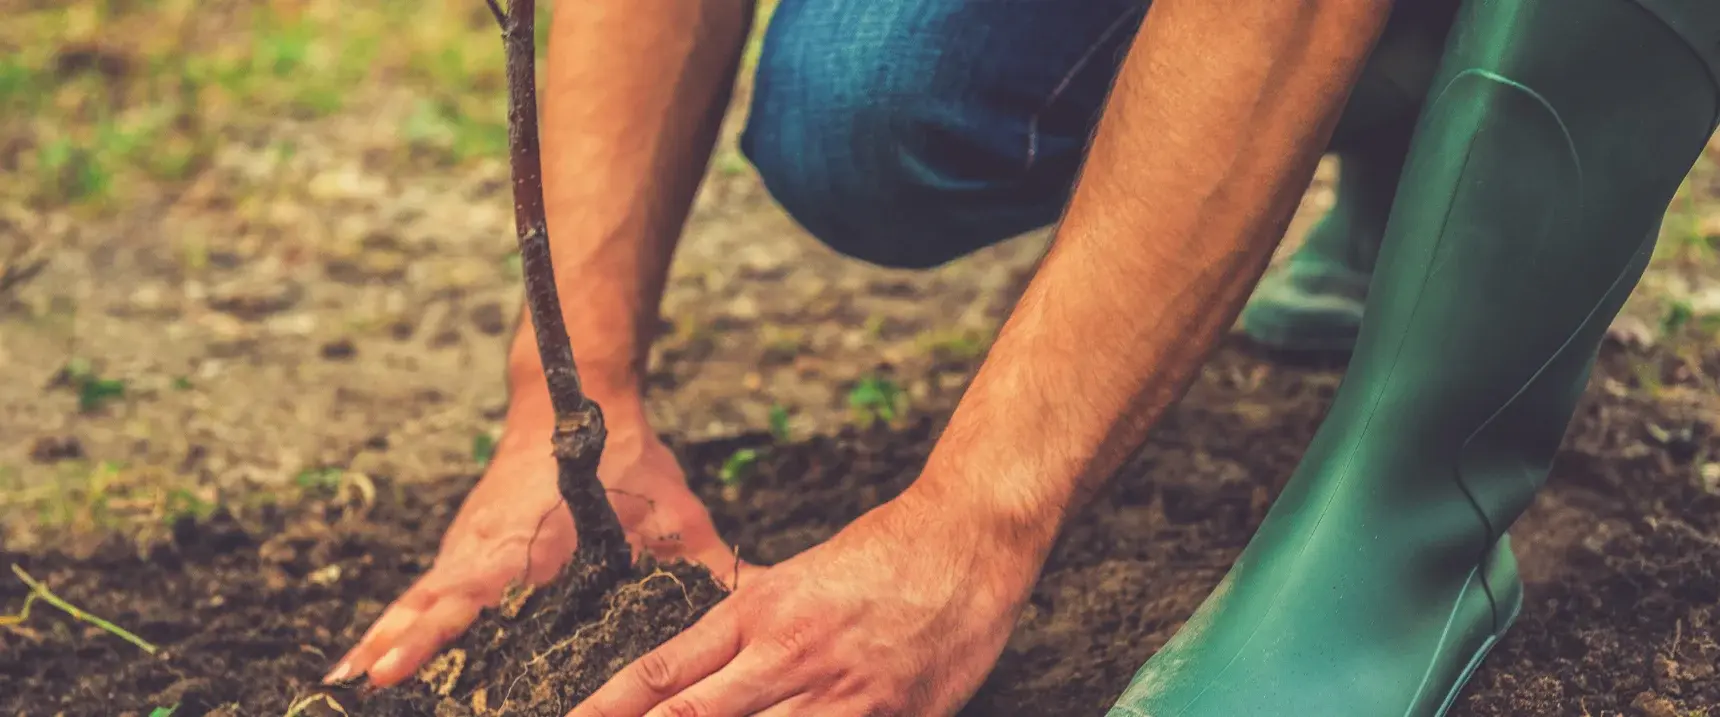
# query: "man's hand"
{"type": "Point", "coordinates": [904, 612]}
{"type": "Point", "coordinates": [513, 527]}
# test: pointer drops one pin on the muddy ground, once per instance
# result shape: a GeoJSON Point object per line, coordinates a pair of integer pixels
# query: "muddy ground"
{"type": "Point", "coordinates": [1621, 555]}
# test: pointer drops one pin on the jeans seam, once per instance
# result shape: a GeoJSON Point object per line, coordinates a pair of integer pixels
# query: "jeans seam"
{"type": "Point", "coordinates": [1063, 85]}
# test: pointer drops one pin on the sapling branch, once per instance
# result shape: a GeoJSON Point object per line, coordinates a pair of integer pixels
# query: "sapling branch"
{"type": "Point", "coordinates": [579, 431]}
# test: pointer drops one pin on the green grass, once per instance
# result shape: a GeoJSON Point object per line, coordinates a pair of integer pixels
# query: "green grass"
{"type": "Point", "coordinates": [104, 97]}
{"type": "Point", "coordinates": [104, 100]}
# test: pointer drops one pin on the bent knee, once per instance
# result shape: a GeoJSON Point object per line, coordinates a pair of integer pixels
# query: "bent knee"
{"type": "Point", "coordinates": [861, 145]}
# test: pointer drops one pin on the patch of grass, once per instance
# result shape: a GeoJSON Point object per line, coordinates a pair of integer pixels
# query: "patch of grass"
{"type": "Point", "coordinates": [84, 498]}
{"type": "Point", "coordinates": [876, 399]}
{"type": "Point", "coordinates": [101, 98]}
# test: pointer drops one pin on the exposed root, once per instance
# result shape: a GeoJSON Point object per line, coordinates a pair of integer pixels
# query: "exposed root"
{"type": "Point", "coordinates": [620, 598]}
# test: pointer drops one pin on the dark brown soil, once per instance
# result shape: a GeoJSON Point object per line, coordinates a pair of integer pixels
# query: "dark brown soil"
{"type": "Point", "coordinates": [546, 650]}
{"type": "Point", "coordinates": [1621, 554]}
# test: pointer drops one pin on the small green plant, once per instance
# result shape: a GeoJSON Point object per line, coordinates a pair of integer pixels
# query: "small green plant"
{"type": "Point", "coordinates": [181, 383]}
{"type": "Point", "coordinates": [735, 471]}
{"type": "Point", "coordinates": [876, 399]}
{"type": "Point", "coordinates": [1678, 315]}
{"type": "Point", "coordinates": [181, 504]}
{"type": "Point", "coordinates": [483, 448]}
{"type": "Point", "coordinates": [779, 423]}
{"type": "Point", "coordinates": [324, 479]}
{"type": "Point", "coordinates": [164, 711]}
{"type": "Point", "coordinates": [93, 390]}
{"type": "Point", "coordinates": [738, 467]}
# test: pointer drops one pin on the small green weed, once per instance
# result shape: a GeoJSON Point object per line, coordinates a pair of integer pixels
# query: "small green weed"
{"type": "Point", "coordinates": [738, 467]}
{"type": "Point", "coordinates": [324, 479]}
{"type": "Point", "coordinates": [1678, 315]}
{"type": "Point", "coordinates": [40, 591]}
{"type": "Point", "coordinates": [93, 390]}
{"type": "Point", "coordinates": [876, 399]}
{"type": "Point", "coordinates": [164, 711]}
{"type": "Point", "coordinates": [779, 423]}
{"type": "Point", "coordinates": [483, 448]}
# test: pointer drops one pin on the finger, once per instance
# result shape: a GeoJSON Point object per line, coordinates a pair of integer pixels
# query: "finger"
{"type": "Point", "coordinates": [676, 665]}
{"type": "Point", "coordinates": [749, 684]}
{"type": "Point", "coordinates": [804, 704]}
{"type": "Point", "coordinates": [449, 617]}
{"type": "Point", "coordinates": [395, 621]}
{"type": "Point", "coordinates": [727, 567]}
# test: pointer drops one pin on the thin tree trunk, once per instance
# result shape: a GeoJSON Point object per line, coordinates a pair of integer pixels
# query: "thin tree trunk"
{"type": "Point", "coordinates": [579, 431]}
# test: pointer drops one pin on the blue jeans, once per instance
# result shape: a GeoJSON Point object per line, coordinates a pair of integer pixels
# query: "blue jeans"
{"type": "Point", "coordinates": [908, 133]}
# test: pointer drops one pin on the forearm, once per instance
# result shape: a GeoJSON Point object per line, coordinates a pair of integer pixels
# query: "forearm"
{"type": "Point", "coordinates": [1212, 132]}
{"type": "Point", "coordinates": [634, 94]}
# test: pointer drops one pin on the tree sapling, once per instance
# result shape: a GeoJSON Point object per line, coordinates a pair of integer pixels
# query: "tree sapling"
{"type": "Point", "coordinates": [579, 431]}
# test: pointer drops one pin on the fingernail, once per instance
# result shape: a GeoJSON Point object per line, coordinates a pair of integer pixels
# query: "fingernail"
{"type": "Point", "coordinates": [388, 662]}
{"type": "Point", "coordinates": [338, 674]}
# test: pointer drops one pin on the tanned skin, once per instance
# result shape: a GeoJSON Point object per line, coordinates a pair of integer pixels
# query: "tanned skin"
{"type": "Point", "coordinates": [1212, 133]}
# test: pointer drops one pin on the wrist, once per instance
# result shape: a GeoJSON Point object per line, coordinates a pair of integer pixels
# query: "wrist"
{"type": "Point", "coordinates": [531, 412]}
{"type": "Point", "coordinates": [1011, 539]}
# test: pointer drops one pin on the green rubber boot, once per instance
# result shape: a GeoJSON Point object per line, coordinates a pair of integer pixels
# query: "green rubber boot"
{"type": "Point", "coordinates": [1313, 301]}
{"type": "Point", "coordinates": [1548, 153]}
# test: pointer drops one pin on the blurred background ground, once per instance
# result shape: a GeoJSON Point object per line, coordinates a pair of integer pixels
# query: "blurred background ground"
{"type": "Point", "coordinates": [250, 246]}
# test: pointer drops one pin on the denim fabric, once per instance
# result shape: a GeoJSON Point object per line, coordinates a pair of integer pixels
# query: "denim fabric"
{"type": "Point", "coordinates": [911, 132]}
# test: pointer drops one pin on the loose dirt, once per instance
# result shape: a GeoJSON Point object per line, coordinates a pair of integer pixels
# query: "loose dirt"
{"type": "Point", "coordinates": [1621, 555]}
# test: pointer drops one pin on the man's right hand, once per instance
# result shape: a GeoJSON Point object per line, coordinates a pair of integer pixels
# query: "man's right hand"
{"type": "Point", "coordinates": [513, 527]}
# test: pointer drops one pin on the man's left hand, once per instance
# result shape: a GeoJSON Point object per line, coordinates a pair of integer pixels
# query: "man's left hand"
{"type": "Point", "coordinates": [904, 612]}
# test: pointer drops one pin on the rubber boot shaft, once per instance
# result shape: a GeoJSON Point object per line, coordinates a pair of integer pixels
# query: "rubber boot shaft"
{"type": "Point", "coordinates": [1555, 136]}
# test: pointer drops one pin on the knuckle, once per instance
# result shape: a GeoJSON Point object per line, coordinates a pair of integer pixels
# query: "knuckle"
{"type": "Point", "coordinates": [656, 673]}
{"type": "Point", "coordinates": [686, 707]}
{"type": "Point", "coordinates": [794, 639]}
{"type": "Point", "coordinates": [888, 706]}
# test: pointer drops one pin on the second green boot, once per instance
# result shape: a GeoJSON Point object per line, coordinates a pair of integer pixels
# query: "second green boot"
{"type": "Point", "coordinates": [1313, 301]}
{"type": "Point", "coordinates": [1556, 136]}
